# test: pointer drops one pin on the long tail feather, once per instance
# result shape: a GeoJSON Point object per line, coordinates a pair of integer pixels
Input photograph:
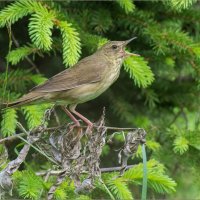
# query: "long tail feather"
{"type": "Point", "coordinates": [24, 100]}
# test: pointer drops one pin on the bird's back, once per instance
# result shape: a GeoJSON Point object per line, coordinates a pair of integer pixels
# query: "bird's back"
{"type": "Point", "coordinates": [85, 72]}
{"type": "Point", "coordinates": [88, 70]}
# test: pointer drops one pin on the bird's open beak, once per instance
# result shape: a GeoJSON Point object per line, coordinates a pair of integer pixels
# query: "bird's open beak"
{"type": "Point", "coordinates": [127, 42]}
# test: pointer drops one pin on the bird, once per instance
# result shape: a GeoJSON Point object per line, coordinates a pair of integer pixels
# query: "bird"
{"type": "Point", "coordinates": [85, 81]}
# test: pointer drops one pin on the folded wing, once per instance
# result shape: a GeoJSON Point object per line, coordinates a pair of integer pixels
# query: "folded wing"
{"type": "Point", "coordinates": [84, 72]}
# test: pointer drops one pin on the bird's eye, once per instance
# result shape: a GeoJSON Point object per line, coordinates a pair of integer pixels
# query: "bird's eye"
{"type": "Point", "coordinates": [114, 46]}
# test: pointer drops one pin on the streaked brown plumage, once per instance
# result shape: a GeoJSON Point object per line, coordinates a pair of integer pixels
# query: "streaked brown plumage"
{"type": "Point", "coordinates": [85, 81]}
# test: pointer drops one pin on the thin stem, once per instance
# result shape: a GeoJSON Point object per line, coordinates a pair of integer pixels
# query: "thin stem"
{"type": "Point", "coordinates": [9, 49]}
{"type": "Point", "coordinates": [144, 182]}
{"type": "Point", "coordinates": [10, 138]}
{"type": "Point", "coordinates": [37, 149]}
{"type": "Point", "coordinates": [175, 118]}
{"type": "Point", "coordinates": [56, 117]}
{"type": "Point", "coordinates": [107, 127]}
{"type": "Point", "coordinates": [108, 191]}
{"type": "Point", "coordinates": [19, 125]}
{"type": "Point", "coordinates": [13, 137]}
{"type": "Point", "coordinates": [112, 169]}
{"type": "Point", "coordinates": [45, 180]}
{"type": "Point", "coordinates": [27, 58]}
{"type": "Point", "coordinates": [103, 170]}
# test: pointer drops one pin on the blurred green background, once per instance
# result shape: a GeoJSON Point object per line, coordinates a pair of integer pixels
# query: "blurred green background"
{"type": "Point", "coordinates": [41, 38]}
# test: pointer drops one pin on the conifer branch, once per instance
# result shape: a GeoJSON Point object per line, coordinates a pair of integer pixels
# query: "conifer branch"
{"type": "Point", "coordinates": [139, 71]}
{"type": "Point", "coordinates": [180, 5]}
{"type": "Point", "coordinates": [71, 43]}
{"type": "Point", "coordinates": [26, 57]}
{"type": "Point", "coordinates": [167, 37]}
{"type": "Point", "coordinates": [127, 5]}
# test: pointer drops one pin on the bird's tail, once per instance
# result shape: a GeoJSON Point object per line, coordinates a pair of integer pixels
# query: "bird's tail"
{"type": "Point", "coordinates": [27, 99]}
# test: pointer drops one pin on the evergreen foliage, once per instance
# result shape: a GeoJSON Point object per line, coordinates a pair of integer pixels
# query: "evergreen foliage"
{"type": "Point", "coordinates": [30, 185]}
{"type": "Point", "coordinates": [40, 29]}
{"type": "Point", "coordinates": [180, 145]}
{"type": "Point", "coordinates": [157, 180]}
{"type": "Point", "coordinates": [19, 79]}
{"type": "Point", "coordinates": [181, 4]}
{"type": "Point", "coordinates": [127, 5]}
{"type": "Point", "coordinates": [15, 11]}
{"type": "Point", "coordinates": [71, 44]}
{"type": "Point", "coordinates": [139, 71]}
{"type": "Point", "coordinates": [158, 90]}
{"type": "Point", "coordinates": [34, 114]}
{"type": "Point", "coordinates": [9, 122]}
{"type": "Point", "coordinates": [15, 56]}
{"type": "Point", "coordinates": [119, 189]}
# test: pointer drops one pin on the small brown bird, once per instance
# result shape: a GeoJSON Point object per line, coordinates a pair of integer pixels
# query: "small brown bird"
{"type": "Point", "coordinates": [89, 78]}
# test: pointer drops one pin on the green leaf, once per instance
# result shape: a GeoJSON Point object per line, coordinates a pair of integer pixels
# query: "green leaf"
{"type": "Point", "coordinates": [122, 109]}
{"type": "Point", "coordinates": [139, 71]}
{"type": "Point", "coordinates": [34, 114]}
{"type": "Point", "coordinates": [169, 61]}
{"type": "Point", "coordinates": [38, 78]}
{"type": "Point", "coordinates": [196, 49]}
{"type": "Point", "coordinates": [119, 189]}
{"type": "Point", "coordinates": [71, 44]}
{"type": "Point", "coordinates": [151, 98]}
{"type": "Point", "coordinates": [157, 179]}
{"type": "Point", "coordinates": [9, 122]}
{"type": "Point", "coordinates": [181, 145]}
{"type": "Point", "coordinates": [19, 79]}
{"type": "Point", "coordinates": [181, 4]}
{"type": "Point", "coordinates": [29, 185]}
{"type": "Point", "coordinates": [40, 28]}
{"type": "Point", "coordinates": [193, 137]}
{"type": "Point", "coordinates": [65, 191]}
{"type": "Point", "coordinates": [101, 21]}
{"type": "Point", "coordinates": [15, 11]}
{"type": "Point", "coordinates": [92, 42]}
{"type": "Point", "coordinates": [60, 194]}
{"type": "Point", "coordinates": [19, 54]}
{"type": "Point", "coordinates": [153, 145]}
{"type": "Point", "coordinates": [127, 5]}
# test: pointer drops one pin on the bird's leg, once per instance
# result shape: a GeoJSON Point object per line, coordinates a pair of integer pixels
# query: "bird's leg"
{"type": "Point", "coordinates": [71, 116]}
{"type": "Point", "coordinates": [87, 121]}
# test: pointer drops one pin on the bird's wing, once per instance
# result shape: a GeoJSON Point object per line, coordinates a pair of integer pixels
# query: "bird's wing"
{"type": "Point", "coordinates": [84, 72]}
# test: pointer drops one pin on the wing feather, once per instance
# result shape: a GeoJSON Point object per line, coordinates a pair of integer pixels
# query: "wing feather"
{"type": "Point", "coordinates": [84, 72]}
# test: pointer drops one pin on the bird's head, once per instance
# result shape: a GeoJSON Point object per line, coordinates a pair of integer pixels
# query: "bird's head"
{"type": "Point", "coordinates": [116, 49]}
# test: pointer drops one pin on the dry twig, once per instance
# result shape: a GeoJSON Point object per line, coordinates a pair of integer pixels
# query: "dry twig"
{"type": "Point", "coordinates": [64, 146]}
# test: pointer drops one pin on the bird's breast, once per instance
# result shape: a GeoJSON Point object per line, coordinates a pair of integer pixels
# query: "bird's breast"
{"type": "Point", "coordinates": [112, 73]}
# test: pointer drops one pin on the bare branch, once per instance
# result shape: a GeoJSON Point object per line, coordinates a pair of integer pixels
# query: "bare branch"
{"type": "Point", "coordinates": [74, 156]}
{"type": "Point", "coordinates": [10, 138]}
{"type": "Point", "coordinates": [103, 170]}
{"type": "Point", "coordinates": [15, 136]}
{"type": "Point", "coordinates": [27, 58]}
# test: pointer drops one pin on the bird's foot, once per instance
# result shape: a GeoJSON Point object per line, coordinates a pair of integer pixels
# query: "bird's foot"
{"type": "Point", "coordinates": [89, 128]}
{"type": "Point", "coordinates": [74, 125]}
{"type": "Point", "coordinates": [84, 119]}
{"type": "Point", "coordinates": [76, 122]}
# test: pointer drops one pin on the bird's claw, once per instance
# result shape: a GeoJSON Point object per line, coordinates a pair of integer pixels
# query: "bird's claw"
{"type": "Point", "coordinates": [74, 125]}
{"type": "Point", "coordinates": [89, 128]}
